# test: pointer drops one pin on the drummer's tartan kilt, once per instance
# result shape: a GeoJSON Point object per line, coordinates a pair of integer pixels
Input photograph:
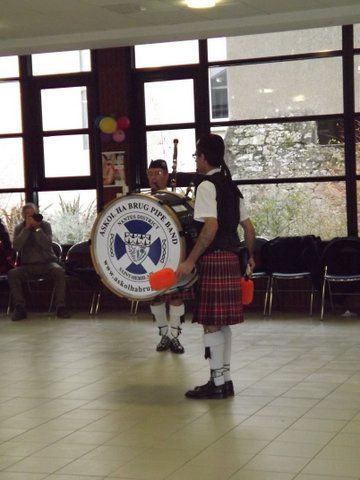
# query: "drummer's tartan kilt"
{"type": "Point", "coordinates": [181, 294]}
{"type": "Point", "coordinates": [218, 299]}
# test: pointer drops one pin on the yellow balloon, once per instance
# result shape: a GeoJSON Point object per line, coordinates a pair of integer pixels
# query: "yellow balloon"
{"type": "Point", "coordinates": [108, 125]}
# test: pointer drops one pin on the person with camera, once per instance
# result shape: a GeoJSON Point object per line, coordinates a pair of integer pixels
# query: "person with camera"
{"type": "Point", "coordinates": [33, 240]}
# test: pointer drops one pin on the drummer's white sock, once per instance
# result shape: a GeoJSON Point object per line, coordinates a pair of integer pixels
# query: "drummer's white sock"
{"type": "Point", "coordinates": [214, 351]}
{"type": "Point", "coordinates": [227, 351]}
{"type": "Point", "coordinates": [177, 316]}
{"type": "Point", "coordinates": [160, 317]}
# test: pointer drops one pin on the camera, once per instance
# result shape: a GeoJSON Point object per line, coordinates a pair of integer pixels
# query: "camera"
{"type": "Point", "coordinates": [37, 217]}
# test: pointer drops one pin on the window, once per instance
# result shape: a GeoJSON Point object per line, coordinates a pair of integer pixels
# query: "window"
{"type": "Point", "coordinates": [71, 214]}
{"type": "Point", "coordinates": [298, 88]}
{"type": "Point", "coordinates": [160, 144]}
{"type": "Point", "coordinates": [297, 209]}
{"type": "Point", "coordinates": [274, 44]}
{"type": "Point", "coordinates": [61, 62]}
{"type": "Point", "coordinates": [288, 150]}
{"type": "Point", "coordinates": [9, 67]}
{"type": "Point", "coordinates": [64, 108]}
{"type": "Point", "coordinates": [10, 112]}
{"type": "Point", "coordinates": [169, 102]}
{"type": "Point", "coordinates": [166, 54]}
{"type": "Point", "coordinates": [11, 163]}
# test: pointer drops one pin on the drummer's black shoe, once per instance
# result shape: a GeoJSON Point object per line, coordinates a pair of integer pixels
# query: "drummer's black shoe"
{"type": "Point", "coordinates": [164, 344]}
{"type": "Point", "coordinates": [175, 345]}
{"type": "Point", "coordinates": [229, 387]}
{"type": "Point", "coordinates": [209, 391]}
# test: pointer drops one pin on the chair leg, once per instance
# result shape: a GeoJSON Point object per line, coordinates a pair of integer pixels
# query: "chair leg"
{"type": "Point", "coordinates": [271, 295]}
{"type": "Point", "coordinates": [311, 300]}
{"type": "Point", "coordinates": [51, 304]}
{"type": "Point", "coordinates": [322, 299]}
{"type": "Point", "coordinates": [134, 307]}
{"type": "Point", "coordinates": [266, 296]}
{"type": "Point", "coordinates": [98, 302]}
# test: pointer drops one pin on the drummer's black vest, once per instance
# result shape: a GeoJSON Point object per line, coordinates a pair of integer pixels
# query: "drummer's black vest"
{"type": "Point", "coordinates": [228, 214]}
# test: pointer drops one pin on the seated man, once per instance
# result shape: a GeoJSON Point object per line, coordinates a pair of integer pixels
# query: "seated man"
{"type": "Point", "coordinates": [33, 239]}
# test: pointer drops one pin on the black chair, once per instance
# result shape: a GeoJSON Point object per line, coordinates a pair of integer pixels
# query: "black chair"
{"type": "Point", "coordinates": [291, 259]}
{"type": "Point", "coordinates": [340, 262]}
{"type": "Point", "coordinates": [259, 275]}
{"type": "Point", "coordinates": [78, 264]}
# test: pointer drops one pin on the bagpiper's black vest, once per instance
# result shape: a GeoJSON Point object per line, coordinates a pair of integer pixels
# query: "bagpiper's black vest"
{"type": "Point", "coordinates": [228, 213]}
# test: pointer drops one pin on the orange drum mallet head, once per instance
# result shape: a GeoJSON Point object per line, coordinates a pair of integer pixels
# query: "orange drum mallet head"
{"type": "Point", "coordinates": [247, 288]}
{"type": "Point", "coordinates": [162, 279]}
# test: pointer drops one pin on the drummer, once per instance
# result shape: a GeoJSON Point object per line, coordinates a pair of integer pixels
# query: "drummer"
{"type": "Point", "coordinates": [169, 329]}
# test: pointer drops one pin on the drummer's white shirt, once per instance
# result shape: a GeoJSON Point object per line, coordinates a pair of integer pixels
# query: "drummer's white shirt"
{"type": "Point", "coordinates": [205, 201]}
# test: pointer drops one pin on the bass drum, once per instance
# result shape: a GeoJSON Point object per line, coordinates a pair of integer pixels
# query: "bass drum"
{"type": "Point", "coordinates": [139, 234]}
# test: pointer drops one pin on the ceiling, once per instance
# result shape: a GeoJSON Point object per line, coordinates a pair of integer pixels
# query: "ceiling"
{"type": "Point", "coordinates": [30, 26]}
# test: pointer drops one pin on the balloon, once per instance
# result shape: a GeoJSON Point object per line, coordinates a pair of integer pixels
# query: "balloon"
{"type": "Point", "coordinates": [108, 125]}
{"type": "Point", "coordinates": [105, 137]}
{"type": "Point", "coordinates": [98, 120]}
{"type": "Point", "coordinates": [118, 136]}
{"type": "Point", "coordinates": [161, 279]}
{"type": "Point", "coordinates": [123, 123]}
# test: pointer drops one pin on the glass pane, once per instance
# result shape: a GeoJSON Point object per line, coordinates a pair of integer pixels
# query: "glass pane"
{"type": "Point", "coordinates": [67, 156]}
{"type": "Point", "coordinates": [11, 163]}
{"type": "Point", "coordinates": [161, 145]}
{"type": "Point", "coordinates": [61, 62]}
{"type": "Point", "coordinates": [10, 209]}
{"type": "Point", "coordinates": [165, 54]}
{"type": "Point", "coordinates": [169, 102]}
{"type": "Point", "coordinates": [71, 214]}
{"type": "Point", "coordinates": [9, 67]}
{"type": "Point", "coordinates": [357, 82]}
{"type": "Point", "coordinates": [275, 150]}
{"type": "Point", "coordinates": [357, 145]}
{"type": "Point", "coordinates": [307, 87]}
{"type": "Point", "coordinates": [274, 44]}
{"type": "Point", "coordinates": [10, 111]}
{"type": "Point", "coordinates": [64, 108]}
{"type": "Point", "coordinates": [297, 209]}
{"type": "Point", "coordinates": [357, 35]}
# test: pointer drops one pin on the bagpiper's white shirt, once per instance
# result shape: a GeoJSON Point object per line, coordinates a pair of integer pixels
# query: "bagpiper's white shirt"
{"type": "Point", "coordinates": [205, 201]}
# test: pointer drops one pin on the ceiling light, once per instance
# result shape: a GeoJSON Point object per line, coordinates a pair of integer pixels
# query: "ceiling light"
{"type": "Point", "coordinates": [201, 3]}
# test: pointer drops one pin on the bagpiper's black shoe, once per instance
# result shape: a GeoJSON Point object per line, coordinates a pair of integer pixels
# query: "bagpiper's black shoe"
{"type": "Point", "coordinates": [164, 344]}
{"type": "Point", "coordinates": [175, 346]}
{"type": "Point", "coordinates": [229, 387]}
{"type": "Point", "coordinates": [209, 391]}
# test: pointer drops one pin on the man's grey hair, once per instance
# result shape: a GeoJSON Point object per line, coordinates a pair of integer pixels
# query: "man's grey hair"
{"type": "Point", "coordinates": [29, 205]}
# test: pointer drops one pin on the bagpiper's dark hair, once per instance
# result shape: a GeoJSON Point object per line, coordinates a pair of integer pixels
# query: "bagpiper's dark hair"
{"type": "Point", "coordinates": [213, 147]}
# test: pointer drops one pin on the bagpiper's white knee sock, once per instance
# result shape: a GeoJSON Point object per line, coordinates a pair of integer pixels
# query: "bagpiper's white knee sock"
{"type": "Point", "coordinates": [227, 351]}
{"type": "Point", "coordinates": [176, 314]}
{"type": "Point", "coordinates": [160, 317]}
{"type": "Point", "coordinates": [214, 351]}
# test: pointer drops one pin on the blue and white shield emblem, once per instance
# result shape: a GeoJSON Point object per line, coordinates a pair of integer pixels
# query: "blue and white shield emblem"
{"type": "Point", "coordinates": [137, 246]}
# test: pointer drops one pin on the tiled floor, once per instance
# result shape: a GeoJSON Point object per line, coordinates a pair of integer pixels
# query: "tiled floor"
{"type": "Point", "coordinates": [91, 399]}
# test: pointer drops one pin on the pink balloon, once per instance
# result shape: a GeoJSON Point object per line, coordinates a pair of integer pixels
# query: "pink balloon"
{"type": "Point", "coordinates": [118, 136]}
{"type": "Point", "coordinates": [123, 123]}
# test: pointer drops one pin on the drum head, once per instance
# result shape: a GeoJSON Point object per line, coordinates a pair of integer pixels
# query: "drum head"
{"type": "Point", "coordinates": [132, 237]}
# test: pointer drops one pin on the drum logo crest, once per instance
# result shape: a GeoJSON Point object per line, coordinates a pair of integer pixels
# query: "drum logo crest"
{"type": "Point", "coordinates": [137, 246]}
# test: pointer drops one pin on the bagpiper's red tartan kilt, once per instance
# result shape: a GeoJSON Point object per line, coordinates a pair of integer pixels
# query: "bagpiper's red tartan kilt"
{"type": "Point", "coordinates": [218, 299]}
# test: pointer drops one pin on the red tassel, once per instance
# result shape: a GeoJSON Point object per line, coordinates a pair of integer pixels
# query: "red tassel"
{"type": "Point", "coordinates": [162, 279]}
{"type": "Point", "coordinates": [247, 288]}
